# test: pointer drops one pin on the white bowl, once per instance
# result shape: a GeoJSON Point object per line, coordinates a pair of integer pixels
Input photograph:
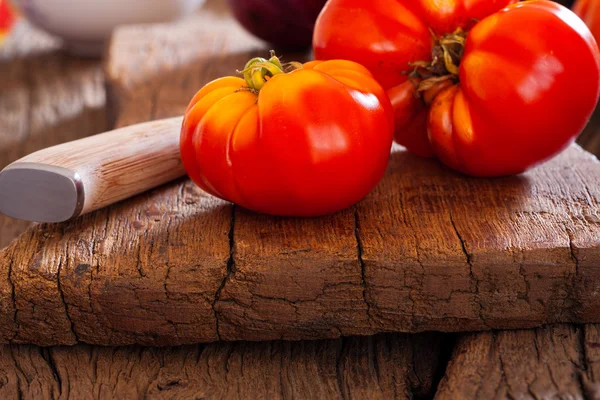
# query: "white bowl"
{"type": "Point", "coordinates": [85, 25]}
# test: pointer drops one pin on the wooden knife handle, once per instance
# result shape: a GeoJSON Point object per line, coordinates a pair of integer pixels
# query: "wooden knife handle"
{"type": "Point", "coordinates": [65, 181]}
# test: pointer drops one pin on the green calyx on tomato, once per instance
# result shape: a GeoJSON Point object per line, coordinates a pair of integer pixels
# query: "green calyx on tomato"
{"type": "Point", "coordinates": [259, 70]}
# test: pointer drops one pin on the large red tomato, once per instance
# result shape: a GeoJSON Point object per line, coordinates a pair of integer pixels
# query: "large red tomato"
{"type": "Point", "coordinates": [489, 88]}
{"type": "Point", "coordinates": [304, 143]}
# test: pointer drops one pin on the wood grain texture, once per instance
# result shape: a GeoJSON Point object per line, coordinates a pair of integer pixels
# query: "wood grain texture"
{"type": "Point", "coordinates": [505, 253]}
{"type": "Point", "coordinates": [46, 98]}
{"type": "Point", "coordinates": [429, 249]}
{"type": "Point", "coordinates": [555, 362]}
{"type": "Point", "coordinates": [119, 164]}
{"type": "Point", "coordinates": [381, 367]}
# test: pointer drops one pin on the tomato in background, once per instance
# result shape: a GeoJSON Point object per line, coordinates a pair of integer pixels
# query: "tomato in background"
{"type": "Point", "coordinates": [494, 88]}
{"type": "Point", "coordinates": [589, 12]}
{"type": "Point", "coordinates": [308, 142]}
{"type": "Point", "coordinates": [7, 18]}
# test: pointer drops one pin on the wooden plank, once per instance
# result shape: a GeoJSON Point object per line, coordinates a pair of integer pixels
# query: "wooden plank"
{"type": "Point", "coordinates": [553, 362]}
{"type": "Point", "coordinates": [429, 249]}
{"type": "Point", "coordinates": [487, 254]}
{"type": "Point", "coordinates": [381, 367]}
{"type": "Point", "coordinates": [46, 98]}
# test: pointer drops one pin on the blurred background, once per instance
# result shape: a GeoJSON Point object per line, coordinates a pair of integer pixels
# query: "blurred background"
{"type": "Point", "coordinates": [84, 27]}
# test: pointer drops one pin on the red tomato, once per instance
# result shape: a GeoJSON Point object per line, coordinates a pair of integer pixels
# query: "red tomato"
{"type": "Point", "coordinates": [508, 90]}
{"type": "Point", "coordinates": [305, 143]}
{"type": "Point", "coordinates": [589, 12]}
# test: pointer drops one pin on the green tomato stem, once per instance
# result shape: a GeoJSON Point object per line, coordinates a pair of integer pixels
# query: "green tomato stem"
{"type": "Point", "coordinates": [259, 70]}
{"type": "Point", "coordinates": [446, 56]}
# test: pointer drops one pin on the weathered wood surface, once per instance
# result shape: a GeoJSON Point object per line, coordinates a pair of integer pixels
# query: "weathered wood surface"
{"type": "Point", "coordinates": [556, 362]}
{"type": "Point", "coordinates": [428, 250]}
{"type": "Point", "coordinates": [46, 98]}
{"type": "Point", "coordinates": [393, 366]}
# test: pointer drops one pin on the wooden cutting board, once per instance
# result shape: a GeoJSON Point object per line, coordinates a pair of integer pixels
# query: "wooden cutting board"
{"type": "Point", "coordinates": [429, 249]}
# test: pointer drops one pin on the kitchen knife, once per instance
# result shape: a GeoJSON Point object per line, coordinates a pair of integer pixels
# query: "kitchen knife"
{"type": "Point", "coordinates": [65, 181]}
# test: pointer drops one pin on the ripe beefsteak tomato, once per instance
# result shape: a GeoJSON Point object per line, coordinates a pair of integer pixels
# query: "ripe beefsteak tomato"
{"type": "Point", "coordinates": [289, 140]}
{"type": "Point", "coordinates": [489, 87]}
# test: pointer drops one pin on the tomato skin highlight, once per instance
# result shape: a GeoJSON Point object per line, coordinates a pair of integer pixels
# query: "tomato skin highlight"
{"type": "Point", "coordinates": [518, 99]}
{"type": "Point", "coordinates": [312, 142]}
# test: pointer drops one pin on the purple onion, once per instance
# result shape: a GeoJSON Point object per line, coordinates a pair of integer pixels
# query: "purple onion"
{"type": "Point", "coordinates": [283, 23]}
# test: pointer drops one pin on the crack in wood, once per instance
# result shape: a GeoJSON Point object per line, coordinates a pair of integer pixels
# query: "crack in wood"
{"type": "Point", "coordinates": [375, 360]}
{"type": "Point", "coordinates": [228, 357]}
{"type": "Point", "coordinates": [19, 368]}
{"type": "Point", "coordinates": [338, 367]}
{"type": "Point", "coordinates": [18, 374]}
{"type": "Point", "coordinates": [471, 274]}
{"type": "Point", "coordinates": [419, 261]}
{"type": "Point", "coordinates": [169, 266]}
{"type": "Point", "coordinates": [281, 385]}
{"type": "Point", "coordinates": [577, 305]}
{"type": "Point", "coordinates": [63, 258]}
{"type": "Point", "coordinates": [94, 355]}
{"type": "Point", "coordinates": [445, 355]}
{"type": "Point", "coordinates": [361, 262]}
{"type": "Point", "coordinates": [531, 391]}
{"type": "Point", "coordinates": [230, 270]}
{"type": "Point", "coordinates": [572, 250]}
{"type": "Point", "coordinates": [552, 378]}
{"type": "Point", "coordinates": [13, 297]}
{"type": "Point", "coordinates": [138, 265]}
{"type": "Point", "coordinates": [536, 346]}
{"type": "Point", "coordinates": [46, 354]}
{"type": "Point", "coordinates": [414, 364]}
{"type": "Point", "coordinates": [504, 378]}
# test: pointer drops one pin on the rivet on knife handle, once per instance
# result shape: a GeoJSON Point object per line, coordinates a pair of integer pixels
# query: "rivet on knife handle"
{"type": "Point", "coordinates": [62, 182]}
